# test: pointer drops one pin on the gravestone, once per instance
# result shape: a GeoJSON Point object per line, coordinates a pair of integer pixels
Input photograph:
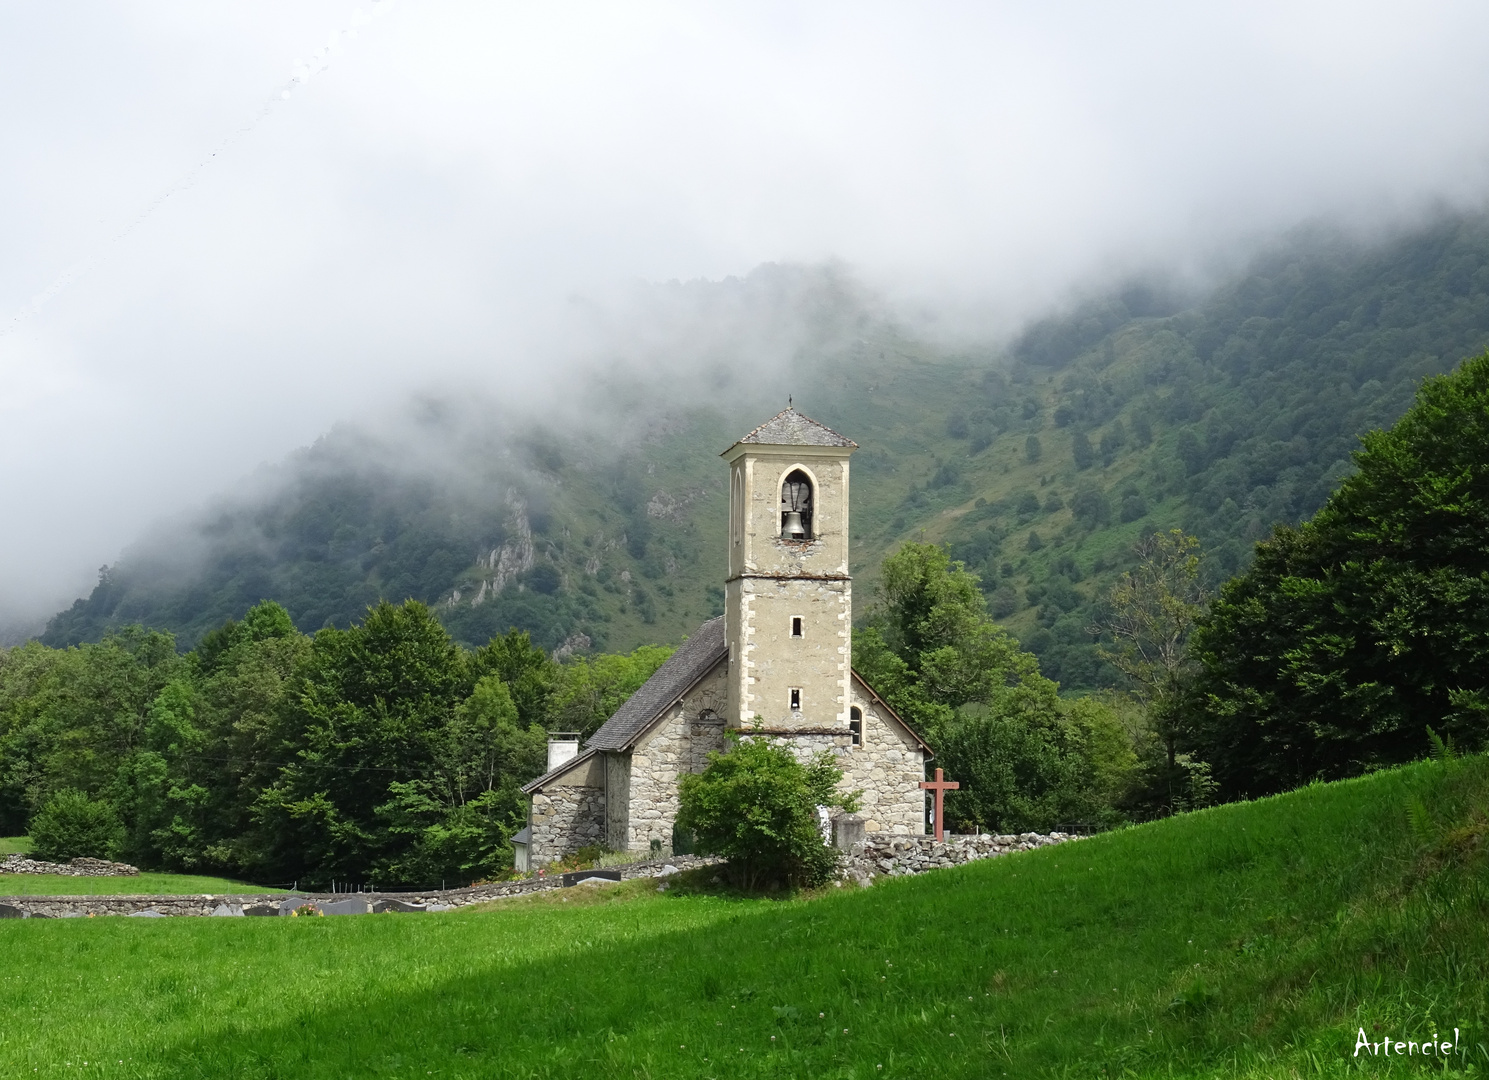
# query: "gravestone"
{"type": "Point", "coordinates": [10, 911]}
{"type": "Point", "coordinates": [847, 830]}
{"type": "Point", "coordinates": [579, 876]}
{"type": "Point", "coordinates": [261, 908]}
{"type": "Point", "coordinates": [353, 905]}
{"type": "Point", "coordinates": [148, 913]}
{"type": "Point", "coordinates": [227, 910]}
{"type": "Point", "coordinates": [396, 906]}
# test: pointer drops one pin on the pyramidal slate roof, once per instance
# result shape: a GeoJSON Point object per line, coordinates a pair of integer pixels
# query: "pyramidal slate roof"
{"type": "Point", "coordinates": [693, 659]}
{"type": "Point", "coordinates": [791, 428]}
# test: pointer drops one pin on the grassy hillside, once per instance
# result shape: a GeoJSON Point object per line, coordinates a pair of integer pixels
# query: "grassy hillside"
{"type": "Point", "coordinates": [1251, 940]}
{"type": "Point", "coordinates": [1040, 463]}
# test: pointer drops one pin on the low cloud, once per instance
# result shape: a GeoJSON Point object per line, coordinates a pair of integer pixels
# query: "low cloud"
{"type": "Point", "coordinates": [492, 202]}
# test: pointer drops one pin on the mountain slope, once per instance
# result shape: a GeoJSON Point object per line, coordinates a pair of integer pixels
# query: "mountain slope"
{"type": "Point", "coordinates": [1040, 463]}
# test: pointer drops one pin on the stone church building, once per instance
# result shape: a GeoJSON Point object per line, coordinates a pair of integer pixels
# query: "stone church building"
{"type": "Point", "coordinates": [781, 652]}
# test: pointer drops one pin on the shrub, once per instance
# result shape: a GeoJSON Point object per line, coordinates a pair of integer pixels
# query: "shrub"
{"type": "Point", "coordinates": [71, 825]}
{"type": "Point", "coordinates": [757, 806]}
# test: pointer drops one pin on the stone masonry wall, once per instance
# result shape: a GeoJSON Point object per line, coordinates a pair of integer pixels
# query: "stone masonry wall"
{"type": "Point", "coordinates": [565, 818]}
{"type": "Point", "coordinates": [899, 855]}
{"type": "Point", "coordinates": [678, 745]}
{"type": "Point", "coordinates": [888, 767]}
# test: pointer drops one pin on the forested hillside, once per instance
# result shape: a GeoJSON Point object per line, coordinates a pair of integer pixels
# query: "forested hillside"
{"type": "Point", "coordinates": [1040, 464]}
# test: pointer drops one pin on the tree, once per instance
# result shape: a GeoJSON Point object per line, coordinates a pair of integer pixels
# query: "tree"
{"type": "Point", "coordinates": [588, 690]}
{"type": "Point", "coordinates": [1081, 450]}
{"type": "Point", "coordinates": [996, 724]}
{"type": "Point", "coordinates": [757, 807]}
{"type": "Point", "coordinates": [368, 707]}
{"type": "Point", "coordinates": [1354, 634]}
{"type": "Point", "coordinates": [1151, 615]}
{"type": "Point", "coordinates": [71, 825]}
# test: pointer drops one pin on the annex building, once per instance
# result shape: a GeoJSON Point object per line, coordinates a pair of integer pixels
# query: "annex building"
{"type": "Point", "coordinates": [777, 662]}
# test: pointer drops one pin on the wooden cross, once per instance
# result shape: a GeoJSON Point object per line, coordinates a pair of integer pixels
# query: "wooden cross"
{"type": "Point", "coordinates": [940, 787]}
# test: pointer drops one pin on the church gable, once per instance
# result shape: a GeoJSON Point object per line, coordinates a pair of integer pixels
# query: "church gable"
{"type": "Point", "coordinates": [694, 658]}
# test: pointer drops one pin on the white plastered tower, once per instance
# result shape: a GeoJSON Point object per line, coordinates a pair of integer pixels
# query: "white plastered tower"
{"type": "Point", "coordinates": [789, 597]}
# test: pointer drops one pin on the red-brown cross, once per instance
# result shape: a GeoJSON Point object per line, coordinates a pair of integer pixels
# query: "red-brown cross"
{"type": "Point", "coordinates": [940, 787]}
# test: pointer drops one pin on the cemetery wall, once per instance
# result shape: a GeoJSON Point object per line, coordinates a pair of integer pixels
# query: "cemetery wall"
{"type": "Point", "coordinates": [898, 855]}
{"type": "Point", "coordinates": [72, 907]}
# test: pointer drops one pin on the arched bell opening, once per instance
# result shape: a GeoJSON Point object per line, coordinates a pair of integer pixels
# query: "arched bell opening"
{"type": "Point", "coordinates": [796, 506]}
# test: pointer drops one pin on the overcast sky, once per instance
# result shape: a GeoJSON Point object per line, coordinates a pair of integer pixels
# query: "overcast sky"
{"type": "Point", "coordinates": [226, 226]}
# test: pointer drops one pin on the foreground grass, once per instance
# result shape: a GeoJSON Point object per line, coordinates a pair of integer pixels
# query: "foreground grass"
{"type": "Point", "coordinates": [151, 884]}
{"type": "Point", "coordinates": [1242, 941]}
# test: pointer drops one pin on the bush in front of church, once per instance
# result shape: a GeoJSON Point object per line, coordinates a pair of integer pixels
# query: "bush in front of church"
{"type": "Point", "coordinates": [757, 807]}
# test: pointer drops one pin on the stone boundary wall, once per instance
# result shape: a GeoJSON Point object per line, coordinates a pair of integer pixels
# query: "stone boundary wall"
{"type": "Point", "coordinates": [72, 907]}
{"type": "Point", "coordinates": [21, 864]}
{"type": "Point", "coordinates": [899, 855]}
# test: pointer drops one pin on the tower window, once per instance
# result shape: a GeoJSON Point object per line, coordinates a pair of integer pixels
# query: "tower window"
{"type": "Point", "coordinates": [795, 700]}
{"type": "Point", "coordinates": [855, 725]}
{"type": "Point", "coordinates": [796, 506]}
{"type": "Point", "coordinates": [796, 626]}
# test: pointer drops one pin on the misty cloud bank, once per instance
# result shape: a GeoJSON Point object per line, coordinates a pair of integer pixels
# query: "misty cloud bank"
{"type": "Point", "coordinates": [471, 204]}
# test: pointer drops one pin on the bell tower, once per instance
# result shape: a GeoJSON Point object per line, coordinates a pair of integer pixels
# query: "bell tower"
{"type": "Point", "coordinates": [788, 600]}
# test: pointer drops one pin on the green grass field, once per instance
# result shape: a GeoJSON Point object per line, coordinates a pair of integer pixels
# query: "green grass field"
{"type": "Point", "coordinates": [15, 845]}
{"type": "Point", "coordinates": [152, 884]}
{"type": "Point", "coordinates": [1250, 940]}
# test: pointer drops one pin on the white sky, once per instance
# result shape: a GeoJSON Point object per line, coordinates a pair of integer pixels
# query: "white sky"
{"type": "Point", "coordinates": [198, 274]}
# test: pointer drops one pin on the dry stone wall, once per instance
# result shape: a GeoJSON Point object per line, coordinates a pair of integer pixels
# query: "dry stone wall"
{"type": "Point", "coordinates": [20, 864]}
{"type": "Point", "coordinates": [73, 907]}
{"type": "Point", "coordinates": [896, 856]}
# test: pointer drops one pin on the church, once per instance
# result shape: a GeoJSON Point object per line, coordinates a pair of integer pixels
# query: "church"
{"type": "Point", "coordinates": [778, 663]}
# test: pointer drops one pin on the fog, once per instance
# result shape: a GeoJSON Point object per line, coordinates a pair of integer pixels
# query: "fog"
{"type": "Point", "coordinates": [229, 227]}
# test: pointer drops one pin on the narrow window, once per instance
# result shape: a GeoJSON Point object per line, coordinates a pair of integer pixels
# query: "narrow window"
{"type": "Point", "coordinates": [796, 701]}
{"type": "Point", "coordinates": [855, 725]}
{"type": "Point", "coordinates": [796, 626]}
{"type": "Point", "coordinates": [796, 506]}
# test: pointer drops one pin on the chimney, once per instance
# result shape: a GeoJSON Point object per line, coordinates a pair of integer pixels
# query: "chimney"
{"type": "Point", "coordinates": [562, 746]}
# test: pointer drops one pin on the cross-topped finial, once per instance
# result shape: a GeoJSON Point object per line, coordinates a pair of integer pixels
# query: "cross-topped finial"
{"type": "Point", "coordinates": [788, 402]}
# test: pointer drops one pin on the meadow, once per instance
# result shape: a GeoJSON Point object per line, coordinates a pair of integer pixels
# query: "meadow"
{"type": "Point", "coordinates": [1249, 940]}
{"type": "Point", "coordinates": [145, 883]}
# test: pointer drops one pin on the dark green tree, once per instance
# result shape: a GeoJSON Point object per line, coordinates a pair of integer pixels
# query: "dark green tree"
{"type": "Point", "coordinates": [996, 724]}
{"type": "Point", "coordinates": [368, 707]}
{"type": "Point", "coordinates": [1352, 635]}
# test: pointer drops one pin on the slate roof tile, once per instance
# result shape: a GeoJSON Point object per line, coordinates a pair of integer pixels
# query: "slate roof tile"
{"type": "Point", "coordinates": [791, 428]}
{"type": "Point", "coordinates": [693, 659]}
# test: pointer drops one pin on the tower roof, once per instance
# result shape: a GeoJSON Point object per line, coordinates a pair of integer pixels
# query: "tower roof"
{"type": "Point", "coordinates": [791, 428]}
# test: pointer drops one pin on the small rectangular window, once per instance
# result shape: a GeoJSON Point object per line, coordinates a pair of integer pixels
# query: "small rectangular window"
{"type": "Point", "coordinates": [796, 626]}
{"type": "Point", "coordinates": [795, 700]}
{"type": "Point", "coordinates": [856, 727]}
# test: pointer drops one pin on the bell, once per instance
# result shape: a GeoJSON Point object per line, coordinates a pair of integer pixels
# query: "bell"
{"type": "Point", "coordinates": [792, 528]}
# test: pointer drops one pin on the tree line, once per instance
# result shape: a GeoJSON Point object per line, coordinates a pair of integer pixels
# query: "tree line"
{"type": "Point", "coordinates": [384, 752]}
